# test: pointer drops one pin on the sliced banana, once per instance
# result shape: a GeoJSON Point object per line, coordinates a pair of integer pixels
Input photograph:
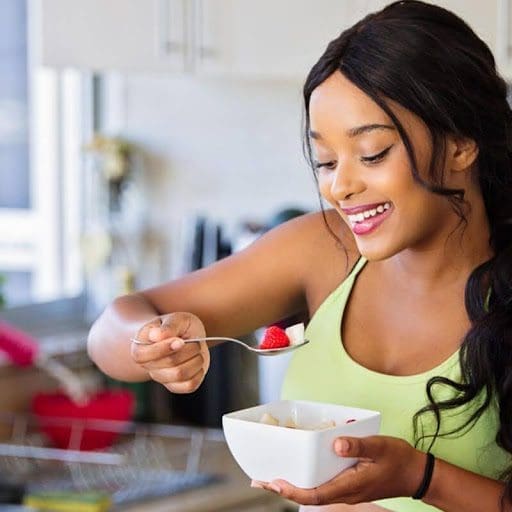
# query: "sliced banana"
{"type": "Point", "coordinates": [268, 419]}
{"type": "Point", "coordinates": [295, 334]}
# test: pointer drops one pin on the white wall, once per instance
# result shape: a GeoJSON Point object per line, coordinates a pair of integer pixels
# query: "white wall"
{"type": "Point", "coordinates": [231, 150]}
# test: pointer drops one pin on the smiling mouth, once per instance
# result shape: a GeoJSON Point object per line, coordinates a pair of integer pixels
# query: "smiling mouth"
{"type": "Point", "coordinates": [368, 214]}
{"type": "Point", "coordinates": [365, 222]}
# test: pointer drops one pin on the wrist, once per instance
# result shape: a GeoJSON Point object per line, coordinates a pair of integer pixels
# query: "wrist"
{"type": "Point", "coordinates": [417, 472]}
{"type": "Point", "coordinates": [435, 493]}
{"type": "Point", "coordinates": [427, 477]}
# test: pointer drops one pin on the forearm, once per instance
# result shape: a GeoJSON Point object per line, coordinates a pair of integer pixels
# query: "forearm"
{"type": "Point", "coordinates": [453, 489]}
{"type": "Point", "coordinates": [108, 344]}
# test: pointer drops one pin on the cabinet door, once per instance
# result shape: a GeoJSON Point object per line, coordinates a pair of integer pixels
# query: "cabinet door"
{"type": "Point", "coordinates": [113, 34]}
{"type": "Point", "coordinates": [492, 21]}
{"type": "Point", "coordinates": [504, 38]}
{"type": "Point", "coordinates": [269, 38]}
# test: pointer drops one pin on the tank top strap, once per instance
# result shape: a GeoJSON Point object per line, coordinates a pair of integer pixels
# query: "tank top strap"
{"type": "Point", "coordinates": [359, 264]}
{"type": "Point", "coordinates": [342, 291]}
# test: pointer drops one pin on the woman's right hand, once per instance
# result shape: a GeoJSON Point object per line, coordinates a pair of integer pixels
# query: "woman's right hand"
{"type": "Point", "coordinates": [180, 367]}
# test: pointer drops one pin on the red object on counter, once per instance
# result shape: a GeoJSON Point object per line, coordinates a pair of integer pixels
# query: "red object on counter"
{"type": "Point", "coordinates": [19, 346]}
{"type": "Point", "coordinates": [106, 405]}
{"type": "Point", "coordinates": [23, 350]}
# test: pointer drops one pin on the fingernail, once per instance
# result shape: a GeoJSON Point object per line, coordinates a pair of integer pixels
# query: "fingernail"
{"type": "Point", "coordinates": [256, 484]}
{"type": "Point", "coordinates": [341, 446]}
{"type": "Point", "coordinates": [274, 487]}
{"type": "Point", "coordinates": [176, 344]}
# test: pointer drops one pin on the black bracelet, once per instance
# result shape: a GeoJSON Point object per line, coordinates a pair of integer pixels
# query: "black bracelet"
{"type": "Point", "coordinates": [427, 477]}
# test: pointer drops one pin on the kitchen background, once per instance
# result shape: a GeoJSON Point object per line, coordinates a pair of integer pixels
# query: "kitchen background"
{"type": "Point", "coordinates": [141, 139]}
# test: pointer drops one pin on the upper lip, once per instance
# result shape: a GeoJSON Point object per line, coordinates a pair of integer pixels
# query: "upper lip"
{"type": "Point", "coordinates": [362, 208]}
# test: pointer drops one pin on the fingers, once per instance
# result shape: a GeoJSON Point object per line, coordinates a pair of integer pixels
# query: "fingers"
{"type": "Point", "coordinates": [368, 448]}
{"type": "Point", "coordinates": [144, 354]}
{"type": "Point", "coordinates": [174, 325]}
{"type": "Point", "coordinates": [288, 491]}
{"type": "Point", "coordinates": [382, 471]}
{"type": "Point", "coordinates": [344, 488]}
{"type": "Point", "coordinates": [187, 386]}
{"type": "Point", "coordinates": [180, 373]}
{"type": "Point", "coordinates": [180, 367]}
{"type": "Point", "coordinates": [143, 333]}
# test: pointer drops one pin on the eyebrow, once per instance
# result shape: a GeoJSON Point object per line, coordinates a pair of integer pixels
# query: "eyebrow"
{"type": "Point", "coordinates": [358, 130]}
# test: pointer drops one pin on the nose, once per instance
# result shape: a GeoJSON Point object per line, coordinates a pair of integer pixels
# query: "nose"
{"type": "Point", "coordinates": [345, 182]}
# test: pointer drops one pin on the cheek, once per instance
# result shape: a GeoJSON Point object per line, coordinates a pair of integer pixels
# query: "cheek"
{"type": "Point", "coordinates": [324, 181]}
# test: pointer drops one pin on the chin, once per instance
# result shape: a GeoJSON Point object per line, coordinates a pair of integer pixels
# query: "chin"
{"type": "Point", "coordinates": [376, 250]}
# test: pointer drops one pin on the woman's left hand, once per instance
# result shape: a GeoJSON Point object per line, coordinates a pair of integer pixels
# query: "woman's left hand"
{"type": "Point", "coordinates": [388, 467]}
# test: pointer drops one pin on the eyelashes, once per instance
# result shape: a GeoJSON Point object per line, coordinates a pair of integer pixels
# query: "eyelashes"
{"type": "Point", "coordinates": [376, 158]}
{"type": "Point", "coordinates": [371, 160]}
{"type": "Point", "coordinates": [325, 165]}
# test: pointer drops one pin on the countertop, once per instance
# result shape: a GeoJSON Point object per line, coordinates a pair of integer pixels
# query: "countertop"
{"type": "Point", "coordinates": [62, 332]}
{"type": "Point", "coordinates": [233, 493]}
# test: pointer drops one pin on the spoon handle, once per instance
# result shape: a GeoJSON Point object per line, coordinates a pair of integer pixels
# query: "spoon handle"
{"type": "Point", "coordinates": [217, 338]}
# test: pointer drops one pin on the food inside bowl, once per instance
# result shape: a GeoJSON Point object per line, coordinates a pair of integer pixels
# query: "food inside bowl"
{"type": "Point", "coordinates": [268, 419]}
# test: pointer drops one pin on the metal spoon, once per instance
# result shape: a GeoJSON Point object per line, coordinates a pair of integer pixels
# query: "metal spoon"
{"type": "Point", "coordinates": [259, 351]}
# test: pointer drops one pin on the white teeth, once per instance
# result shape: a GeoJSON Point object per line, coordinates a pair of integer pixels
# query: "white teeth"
{"type": "Point", "coordinates": [359, 217]}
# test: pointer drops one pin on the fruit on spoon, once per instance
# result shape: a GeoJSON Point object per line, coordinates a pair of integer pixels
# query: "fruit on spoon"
{"type": "Point", "coordinates": [274, 337]}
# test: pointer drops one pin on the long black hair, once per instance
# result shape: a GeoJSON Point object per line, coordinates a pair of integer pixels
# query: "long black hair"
{"type": "Point", "coordinates": [430, 61]}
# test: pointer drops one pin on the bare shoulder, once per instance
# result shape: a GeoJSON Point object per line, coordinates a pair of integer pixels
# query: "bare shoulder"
{"type": "Point", "coordinates": [324, 228]}
{"type": "Point", "coordinates": [319, 249]}
{"type": "Point", "coordinates": [328, 253]}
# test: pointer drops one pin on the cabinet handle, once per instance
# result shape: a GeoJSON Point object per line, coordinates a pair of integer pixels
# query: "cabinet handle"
{"type": "Point", "coordinates": [204, 52]}
{"type": "Point", "coordinates": [507, 31]}
{"type": "Point", "coordinates": [166, 45]}
{"type": "Point", "coordinates": [503, 43]}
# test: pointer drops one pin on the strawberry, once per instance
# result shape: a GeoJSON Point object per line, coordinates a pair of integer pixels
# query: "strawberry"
{"type": "Point", "coordinates": [274, 337]}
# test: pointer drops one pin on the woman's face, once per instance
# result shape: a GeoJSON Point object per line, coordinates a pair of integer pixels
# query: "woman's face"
{"type": "Point", "coordinates": [364, 171]}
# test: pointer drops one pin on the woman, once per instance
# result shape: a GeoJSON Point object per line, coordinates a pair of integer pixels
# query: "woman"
{"type": "Point", "coordinates": [406, 280]}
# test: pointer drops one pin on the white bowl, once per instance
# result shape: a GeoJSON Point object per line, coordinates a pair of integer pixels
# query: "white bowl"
{"type": "Point", "coordinates": [305, 458]}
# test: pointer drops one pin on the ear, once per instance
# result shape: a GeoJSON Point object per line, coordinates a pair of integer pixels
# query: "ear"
{"type": "Point", "coordinates": [461, 153]}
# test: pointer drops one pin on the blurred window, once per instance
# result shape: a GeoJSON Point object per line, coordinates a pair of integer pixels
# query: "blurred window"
{"type": "Point", "coordinates": [44, 121]}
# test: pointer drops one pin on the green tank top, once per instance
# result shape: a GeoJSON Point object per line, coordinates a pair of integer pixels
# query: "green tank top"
{"type": "Point", "coordinates": [323, 371]}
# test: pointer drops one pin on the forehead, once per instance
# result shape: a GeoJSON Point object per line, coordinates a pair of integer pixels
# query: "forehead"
{"type": "Point", "coordinates": [337, 103]}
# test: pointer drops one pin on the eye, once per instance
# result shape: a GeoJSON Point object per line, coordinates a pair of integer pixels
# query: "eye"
{"type": "Point", "coordinates": [325, 165]}
{"type": "Point", "coordinates": [376, 158]}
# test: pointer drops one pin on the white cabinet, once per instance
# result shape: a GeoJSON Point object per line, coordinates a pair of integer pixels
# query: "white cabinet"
{"type": "Point", "coordinates": [271, 38]}
{"type": "Point", "coordinates": [244, 38]}
{"type": "Point", "coordinates": [114, 34]}
{"type": "Point", "coordinates": [253, 38]}
{"type": "Point", "coordinates": [504, 37]}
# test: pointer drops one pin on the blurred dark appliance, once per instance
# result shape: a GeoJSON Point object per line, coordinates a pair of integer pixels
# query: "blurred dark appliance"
{"type": "Point", "coordinates": [204, 244]}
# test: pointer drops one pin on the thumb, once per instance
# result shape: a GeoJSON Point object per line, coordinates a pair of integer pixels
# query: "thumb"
{"type": "Point", "coordinates": [360, 447]}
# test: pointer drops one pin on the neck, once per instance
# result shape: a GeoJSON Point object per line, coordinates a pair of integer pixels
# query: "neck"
{"type": "Point", "coordinates": [451, 257]}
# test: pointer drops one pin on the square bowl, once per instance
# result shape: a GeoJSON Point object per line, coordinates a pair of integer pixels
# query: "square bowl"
{"type": "Point", "coordinates": [302, 456]}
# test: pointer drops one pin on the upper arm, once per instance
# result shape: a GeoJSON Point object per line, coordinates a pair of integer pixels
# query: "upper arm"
{"type": "Point", "coordinates": [267, 281]}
